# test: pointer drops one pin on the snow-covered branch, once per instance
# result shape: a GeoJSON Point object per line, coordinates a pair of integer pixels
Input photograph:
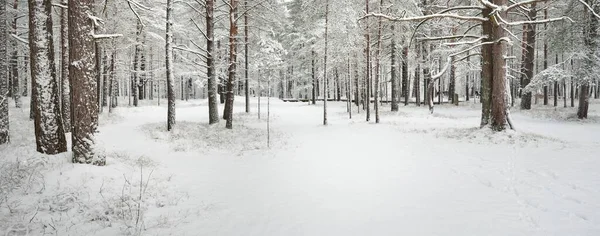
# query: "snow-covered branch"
{"type": "Point", "coordinates": [426, 17]}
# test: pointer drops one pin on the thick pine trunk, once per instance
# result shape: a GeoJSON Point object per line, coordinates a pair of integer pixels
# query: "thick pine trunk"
{"type": "Point", "coordinates": [49, 132]}
{"type": "Point", "coordinates": [314, 79]}
{"type": "Point", "coordinates": [4, 129]}
{"type": "Point", "coordinates": [500, 120]}
{"type": "Point", "coordinates": [528, 59]}
{"type": "Point", "coordinates": [590, 41]}
{"type": "Point", "coordinates": [83, 83]}
{"type": "Point", "coordinates": [169, 67]}
{"type": "Point", "coordinates": [486, 72]}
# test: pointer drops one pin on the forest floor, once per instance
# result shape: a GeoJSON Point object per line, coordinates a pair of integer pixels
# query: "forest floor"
{"type": "Point", "coordinates": [413, 174]}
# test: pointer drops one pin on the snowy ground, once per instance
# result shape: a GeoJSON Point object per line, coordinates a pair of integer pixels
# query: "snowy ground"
{"type": "Point", "coordinates": [413, 174]}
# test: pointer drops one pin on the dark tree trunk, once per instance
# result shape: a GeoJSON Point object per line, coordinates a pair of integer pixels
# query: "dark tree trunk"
{"type": "Point", "coordinates": [14, 61]}
{"type": "Point", "coordinates": [529, 58]}
{"type": "Point", "coordinates": [169, 67]}
{"type": "Point", "coordinates": [233, 32]}
{"type": "Point", "coordinates": [368, 67]}
{"type": "Point", "coordinates": [325, 79]}
{"type": "Point", "coordinates": [500, 119]}
{"type": "Point", "coordinates": [393, 72]}
{"type": "Point", "coordinates": [246, 44]}
{"type": "Point", "coordinates": [83, 83]}
{"type": "Point", "coordinates": [590, 41]}
{"type": "Point", "coordinates": [314, 79]}
{"type": "Point", "coordinates": [486, 72]}
{"type": "Point", "coordinates": [136, 64]}
{"type": "Point", "coordinates": [405, 83]}
{"type": "Point", "coordinates": [49, 132]}
{"type": "Point", "coordinates": [4, 89]}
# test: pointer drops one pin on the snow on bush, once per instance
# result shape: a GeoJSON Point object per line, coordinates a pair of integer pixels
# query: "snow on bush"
{"type": "Point", "coordinates": [187, 136]}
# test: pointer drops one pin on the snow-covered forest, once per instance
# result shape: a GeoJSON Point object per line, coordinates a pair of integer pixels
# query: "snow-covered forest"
{"type": "Point", "coordinates": [299, 117]}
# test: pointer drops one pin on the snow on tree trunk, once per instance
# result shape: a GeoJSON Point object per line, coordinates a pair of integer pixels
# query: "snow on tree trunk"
{"type": "Point", "coordinates": [169, 65]}
{"type": "Point", "coordinates": [314, 78]}
{"type": "Point", "coordinates": [65, 85]}
{"type": "Point", "coordinates": [325, 80]}
{"type": "Point", "coordinates": [486, 71]}
{"type": "Point", "coordinates": [15, 63]}
{"type": "Point", "coordinates": [233, 33]}
{"type": "Point", "coordinates": [82, 74]}
{"type": "Point", "coordinates": [136, 64]}
{"type": "Point", "coordinates": [246, 44]}
{"type": "Point", "coordinates": [213, 107]}
{"type": "Point", "coordinates": [368, 67]}
{"type": "Point", "coordinates": [394, 69]}
{"type": "Point", "coordinates": [529, 58]}
{"type": "Point", "coordinates": [49, 132]}
{"type": "Point", "coordinates": [4, 129]}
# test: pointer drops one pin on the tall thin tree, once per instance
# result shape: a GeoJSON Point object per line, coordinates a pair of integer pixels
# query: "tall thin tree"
{"type": "Point", "coordinates": [213, 107]}
{"type": "Point", "coordinates": [169, 65]}
{"type": "Point", "coordinates": [4, 129]}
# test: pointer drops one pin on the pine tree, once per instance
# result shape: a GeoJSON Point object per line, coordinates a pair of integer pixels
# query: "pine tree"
{"type": "Point", "coordinates": [169, 65]}
{"type": "Point", "coordinates": [83, 83]}
{"type": "Point", "coordinates": [4, 129]}
{"type": "Point", "coordinates": [49, 132]}
{"type": "Point", "coordinates": [213, 109]}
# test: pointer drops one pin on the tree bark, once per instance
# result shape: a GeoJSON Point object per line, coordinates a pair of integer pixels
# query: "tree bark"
{"type": "Point", "coordinates": [213, 106]}
{"type": "Point", "coordinates": [83, 83]}
{"type": "Point", "coordinates": [233, 32]}
{"type": "Point", "coordinates": [49, 132]}
{"type": "Point", "coordinates": [405, 83]}
{"type": "Point", "coordinates": [246, 44]}
{"type": "Point", "coordinates": [325, 81]}
{"type": "Point", "coordinates": [4, 121]}
{"type": "Point", "coordinates": [393, 72]}
{"type": "Point", "coordinates": [169, 67]}
{"type": "Point", "coordinates": [368, 67]}
{"type": "Point", "coordinates": [64, 68]}
{"type": "Point", "coordinates": [15, 63]}
{"type": "Point", "coordinates": [486, 72]}
{"type": "Point", "coordinates": [500, 119]}
{"type": "Point", "coordinates": [529, 57]}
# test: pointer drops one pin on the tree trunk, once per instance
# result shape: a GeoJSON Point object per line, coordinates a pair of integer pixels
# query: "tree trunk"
{"type": "Point", "coordinates": [64, 66]}
{"type": "Point", "coordinates": [213, 106]}
{"type": "Point", "coordinates": [368, 67]}
{"type": "Point", "coordinates": [169, 67]}
{"type": "Point", "coordinates": [545, 56]}
{"type": "Point", "coordinates": [49, 132]}
{"type": "Point", "coordinates": [377, 66]}
{"type": "Point", "coordinates": [405, 83]}
{"type": "Point", "coordinates": [136, 64]}
{"type": "Point", "coordinates": [233, 32]}
{"type": "Point", "coordinates": [314, 79]}
{"type": "Point", "coordinates": [15, 63]}
{"type": "Point", "coordinates": [590, 41]}
{"type": "Point", "coordinates": [4, 129]}
{"type": "Point", "coordinates": [325, 81]}
{"type": "Point", "coordinates": [528, 59]}
{"type": "Point", "coordinates": [487, 69]}
{"type": "Point", "coordinates": [84, 88]}
{"type": "Point", "coordinates": [393, 72]}
{"type": "Point", "coordinates": [246, 43]}
{"type": "Point", "coordinates": [500, 119]}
